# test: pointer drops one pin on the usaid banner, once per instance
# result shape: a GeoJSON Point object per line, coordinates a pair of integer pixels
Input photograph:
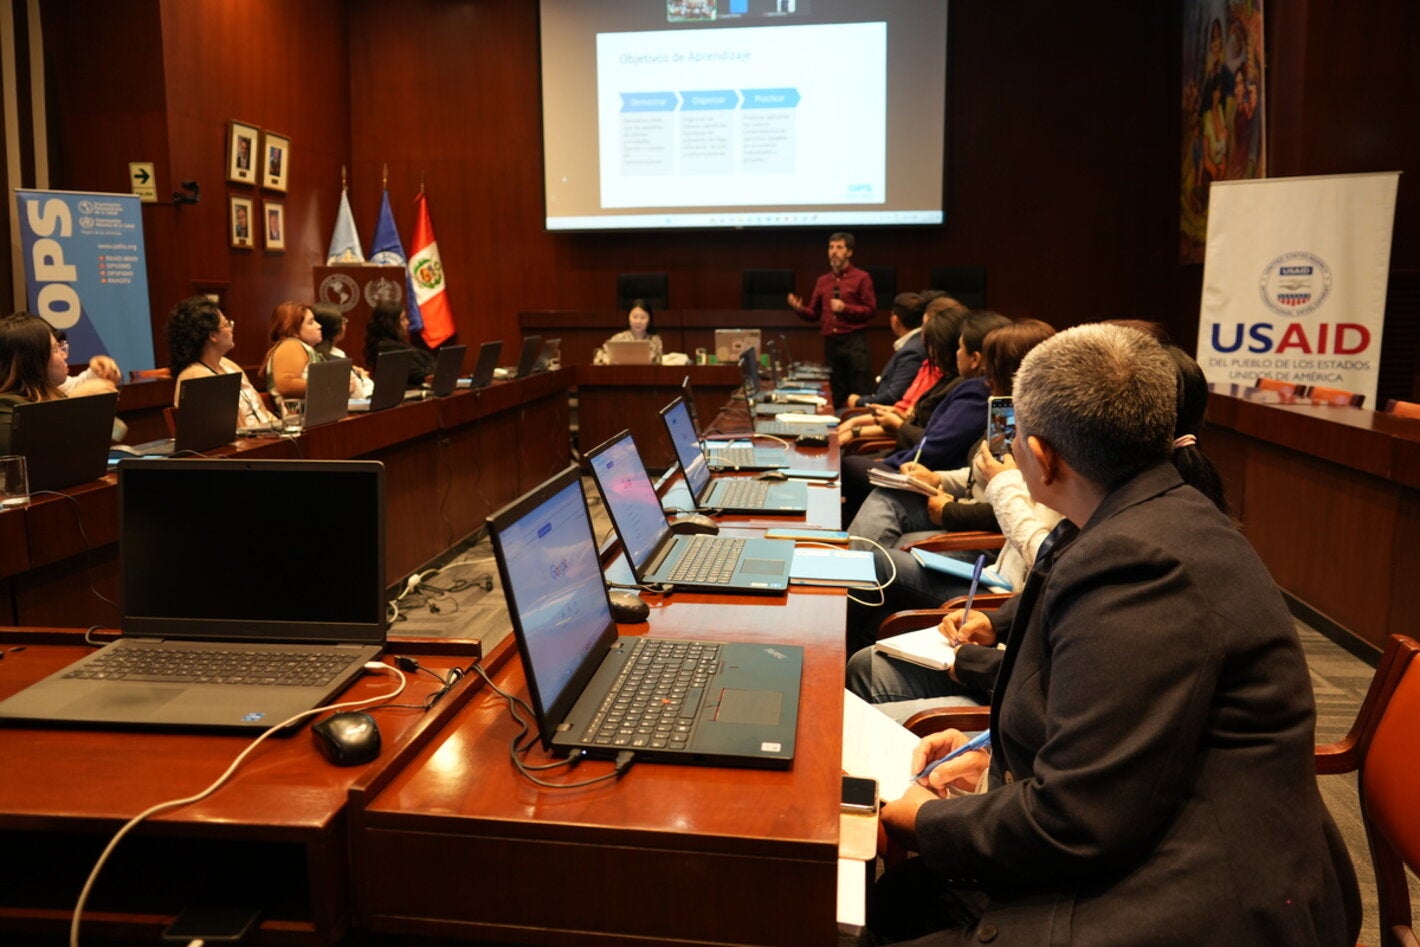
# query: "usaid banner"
{"type": "Point", "coordinates": [1294, 281]}
{"type": "Point", "coordinates": [86, 272]}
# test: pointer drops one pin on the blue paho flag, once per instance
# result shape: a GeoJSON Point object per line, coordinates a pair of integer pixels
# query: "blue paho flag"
{"type": "Point", "coordinates": [387, 250]}
{"type": "Point", "coordinates": [86, 272]}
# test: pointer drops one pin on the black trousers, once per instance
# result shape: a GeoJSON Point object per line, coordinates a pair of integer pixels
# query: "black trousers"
{"type": "Point", "coordinates": [849, 367]}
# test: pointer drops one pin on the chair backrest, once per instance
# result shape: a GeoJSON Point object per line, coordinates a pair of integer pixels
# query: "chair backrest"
{"type": "Point", "coordinates": [966, 284]}
{"type": "Point", "coordinates": [150, 373]}
{"type": "Point", "coordinates": [1335, 396]}
{"type": "Point", "coordinates": [884, 284]}
{"type": "Point", "coordinates": [1381, 749]}
{"type": "Point", "coordinates": [1403, 409]}
{"type": "Point", "coordinates": [765, 289]}
{"type": "Point", "coordinates": [1287, 392]}
{"type": "Point", "coordinates": [651, 288]}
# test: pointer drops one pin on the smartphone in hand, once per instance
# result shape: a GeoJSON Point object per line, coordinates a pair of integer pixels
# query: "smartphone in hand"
{"type": "Point", "coordinates": [1000, 426]}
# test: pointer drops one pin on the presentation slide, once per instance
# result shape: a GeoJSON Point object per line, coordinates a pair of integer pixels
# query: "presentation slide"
{"type": "Point", "coordinates": [742, 113]}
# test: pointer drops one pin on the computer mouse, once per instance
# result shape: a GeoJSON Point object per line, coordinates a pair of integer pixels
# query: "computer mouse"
{"type": "Point", "coordinates": [773, 475]}
{"type": "Point", "coordinates": [348, 738]}
{"type": "Point", "coordinates": [692, 523]}
{"type": "Point", "coordinates": [627, 608]}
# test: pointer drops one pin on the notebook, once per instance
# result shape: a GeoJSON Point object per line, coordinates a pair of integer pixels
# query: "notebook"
{"type": "Point", "coordinates": [723, 493]}
{"type": "Point", "coordinates": [628, 352]}
{"type": "Point", "coordinates": [960, 569]}
{"type": "Point", "coordinates": [188, 589]}
{"type": "Point", "coordinates": [327, 392]}
{"type": "Point", "coordinates": [737, 454]}
{"type": "Point", "coordinates": [741, 710]}
{"type": "Point", "coordinates": [846, 568]}
{"type": "Point", "coordinates": [654, 553]}
{"type": "Point", "coordinates": [391, 374]}
{"type": "Point", "coordinates": [447, 365]}
{"type": "Point", "coordinates": [64, 441]}
{"type": "Point", "coordinates": [487, 362]}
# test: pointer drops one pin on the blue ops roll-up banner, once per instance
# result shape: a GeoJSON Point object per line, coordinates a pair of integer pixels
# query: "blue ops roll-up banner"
{"type": "Point", "coordinates": [86, 272]}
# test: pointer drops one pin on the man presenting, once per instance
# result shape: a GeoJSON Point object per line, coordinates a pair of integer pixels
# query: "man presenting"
{"type": "Point", "coordinates": [843, 303]}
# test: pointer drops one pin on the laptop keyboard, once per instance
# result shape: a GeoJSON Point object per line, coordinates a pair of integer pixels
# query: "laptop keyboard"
{"type": "Point", "coordinates": [732, 457]}
{"type": "Point", "coordinates": [789, 428]}
{"type": "Point", "coordinates": [204, 666]}
{"type": "Point", "coordinates": [654, 700]}
{"type": "Point", "coordinates": [707, 560]}
{"type": "Point", "coordinates": [743, 493]}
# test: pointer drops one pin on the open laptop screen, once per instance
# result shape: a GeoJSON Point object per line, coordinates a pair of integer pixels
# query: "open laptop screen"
{"type": "Point", "coordinates": [237, 549]}
{"type": "Point", "coordinates": [553, 583]}
{"type": "Point", "coordinates": [630, 498]}
{"type": "Point", "coordinates": [687, 447]}
{"type": "Point", "coordinates": [749, 372]}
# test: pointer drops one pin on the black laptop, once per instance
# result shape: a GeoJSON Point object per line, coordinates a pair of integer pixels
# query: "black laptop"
{"type": "Point", "coordinates": [725, 494]}
{"type": "Point", "coordinates": [527, 359]}
{"type": "Point", "coordinates": [322, 606]}
{"type": "Point", "coordinates": [65, 441]}
{"type": "Point", "coordinates": [725, 703]}
{"type": "Point", "coordinates": [391, 375]}
{"type": "Point", "coordinates": [735, 453]}
{"type": "Point", "coordinates": [656, 555]}
{"type": "Point", "coordinates": [482, 375]}
{"type": "Point", "coordinates": [447, 365]}
{"type": "Point", "coordinates": [206, 417]}
{"type": "Point", "coordinates": [769, 403]}
{"type": "Point", "coordinates": [327, 392]}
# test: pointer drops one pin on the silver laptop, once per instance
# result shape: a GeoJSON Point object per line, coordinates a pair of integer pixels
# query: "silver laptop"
{"type": "Point", "coordinates": [327, 392]}
{"type": "Point", "coordinates": [215, 632]}
{"type": "Point", "coordinates": [725, 494]}
{"type": "Point", "coordinates": [729, 343]}
{"type": "Point", "coordinates": [656, 555]}
{"type": "Point", "coordinates": [736, 704]}
{"type": "Point", "coordinates": [628, 352]}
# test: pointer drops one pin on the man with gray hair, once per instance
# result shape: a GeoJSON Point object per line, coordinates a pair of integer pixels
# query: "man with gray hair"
{"type": "Point", "coordinates": [1150, 772]}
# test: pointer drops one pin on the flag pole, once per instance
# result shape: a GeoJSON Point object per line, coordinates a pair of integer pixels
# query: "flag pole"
{"type": "Point", "coordinates": [342, 177]}
{"type": "Point", "coordinates": [385, 176]}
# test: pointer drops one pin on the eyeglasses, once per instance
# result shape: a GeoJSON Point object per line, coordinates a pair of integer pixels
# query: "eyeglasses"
{"type": "Point", "coordinates": [226, 323]}
{"type": "Point", "coordinates": [62, 347]}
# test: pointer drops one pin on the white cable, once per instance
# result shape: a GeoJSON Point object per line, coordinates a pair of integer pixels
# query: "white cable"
{"type": "Point", "coordinates": [880, 589]}
{"type": "Point", "coordinates": [216, 784]}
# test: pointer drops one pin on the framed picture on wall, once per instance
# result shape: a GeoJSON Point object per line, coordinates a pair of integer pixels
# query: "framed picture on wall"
{"type": "Point", "coordinates": [242, 143]}
{"type": "Point", "coordinates": [275, 161]}
{"type": "Point", "coordinates": [239, 230]}
{"type": "Point", "coordinates": [273, 213]}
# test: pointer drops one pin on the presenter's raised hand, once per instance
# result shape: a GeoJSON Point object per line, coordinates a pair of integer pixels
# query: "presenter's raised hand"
{"type": "Point", "coordinates": [795, 302]}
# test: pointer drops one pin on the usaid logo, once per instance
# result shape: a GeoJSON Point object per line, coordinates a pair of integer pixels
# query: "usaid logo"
{"type": "Point", "coordinates": [1295, 284]}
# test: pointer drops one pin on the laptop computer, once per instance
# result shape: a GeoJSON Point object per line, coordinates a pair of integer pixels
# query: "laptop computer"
{"type": "Point", "coordinates": [184, 592]}
{"type": "Point", "coordinates": [206, 416]}
{"type": "Point", "coordinates": [482, 375]}
{"type": "Point", "coordinates": [527, 359]}
{"type": "Point", "coordinates": [447, 365]}
{"type": "Point", "coordinates": [550, 358]}
{"type": "Point", "coordinates": [743, 711]}
{"type": "Point", "coordinates": [725, 494]}
{"type": "Point", "coordinates": [391, 375]}
{"type": "Point", "coordinates": [738, 453]}
{"type": "Point", "coordinates": [64, 441]}
{"type": "Point", "coordinates": [772, 402]}
{"type": "Point", "coordinates": [654, 553]}
{"type": "Point", "coordinates": [327, 392]}
{"type": "Point", "coordinates": [628, 352]}
{"type": "Point", "coordinates": [729, 343]}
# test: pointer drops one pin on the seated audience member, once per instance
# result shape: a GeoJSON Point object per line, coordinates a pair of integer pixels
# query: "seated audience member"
{"type": "Point", "coordinates": [101, 368]}
{"type": "Point", "coordinates": [641, 326]}
{"type": "Point", "coordinates": [908, 353]}
{"type": "Point", "coordinates": [32, 367]}
{"type": "Point", "coordinates": [1151, 777]}
{"type": "Point", "coordinates": [199, 338]}
{"type": "Point", "coordinates": [332, 324]}
{"type": "Point", "coordinates": [294, 335]}
{"type": "Point", "coordinates": [957, 421]}
{"type": "Point", "coordinates": [388, 331]}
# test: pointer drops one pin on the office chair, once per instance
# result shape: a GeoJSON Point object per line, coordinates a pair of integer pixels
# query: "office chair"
{"type": "Point", "coordinates": [138, 374]}
{"type": "Point", "coordinates": [884, 284]}
{"type": "Point", "coordinates": [1403, 409]}
{"type": "Point", "coordinates": [765, 289]}
{"type": "Point", "coordinates": [651, 288]}
{"type": "Point", "coordinates": [1319, 394]}
{"type": "Point", "coordinates": [965, 284]}
{"type": "Point", "coordinates": [1380, 750]}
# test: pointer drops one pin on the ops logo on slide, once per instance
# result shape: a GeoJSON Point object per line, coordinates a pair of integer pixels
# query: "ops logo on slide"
{"type": "Point", "coordinates": [1295, 283]}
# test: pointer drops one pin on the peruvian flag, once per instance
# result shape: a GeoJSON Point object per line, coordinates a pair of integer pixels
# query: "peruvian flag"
{"type": "Point", "coordinates": [426, 271]}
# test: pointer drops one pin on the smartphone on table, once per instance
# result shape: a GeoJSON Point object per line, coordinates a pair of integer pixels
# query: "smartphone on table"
{"type": "Point", "coordinates": [1000, 426]}
{"type": "Point", "coordinates": [860, 794]}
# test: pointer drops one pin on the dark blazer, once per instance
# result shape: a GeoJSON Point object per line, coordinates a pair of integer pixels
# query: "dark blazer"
{"type": "Point", "coordinates": [1152, 768]}
{"type": "Point", "coordinates": [899, 372]}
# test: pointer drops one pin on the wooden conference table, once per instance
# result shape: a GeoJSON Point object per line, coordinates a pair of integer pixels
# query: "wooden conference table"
{"type": "Point", "coordinates": [439, 836]}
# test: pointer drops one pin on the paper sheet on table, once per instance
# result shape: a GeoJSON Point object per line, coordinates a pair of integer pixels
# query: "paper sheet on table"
{"type": "Point", "coordinates": [877, 746]}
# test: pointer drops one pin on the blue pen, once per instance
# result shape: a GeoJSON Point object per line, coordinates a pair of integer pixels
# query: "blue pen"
{"type": "Point", "coordinates": [971, 592]}
{"type": "Point", "coordinates": [979, 742]}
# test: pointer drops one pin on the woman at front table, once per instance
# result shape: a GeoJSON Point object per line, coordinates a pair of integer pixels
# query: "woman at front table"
{"type": "Point", "coordinates": [33, 364]}
{"type": "Point", "coordinates": [199, 338]}
{"type": "Point", "coordinates": [294, 336]}
{"type": "Point", "coordinates": [388, 331]}
{"type": "Point", "coordinates": [641, 327]}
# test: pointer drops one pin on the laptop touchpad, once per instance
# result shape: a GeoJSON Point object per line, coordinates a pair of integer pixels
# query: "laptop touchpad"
{"type": "Point", "coordinates": [739, 706]}
{"type": "Point", "coordinates": [763, 567]}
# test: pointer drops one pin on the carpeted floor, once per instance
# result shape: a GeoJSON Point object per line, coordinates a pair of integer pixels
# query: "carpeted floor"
{"type": "Point", "coordinates": [453, 602]}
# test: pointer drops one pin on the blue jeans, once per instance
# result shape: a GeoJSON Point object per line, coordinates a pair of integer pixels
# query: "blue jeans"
{"type": "Point", "coordinates": [902, 688]}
